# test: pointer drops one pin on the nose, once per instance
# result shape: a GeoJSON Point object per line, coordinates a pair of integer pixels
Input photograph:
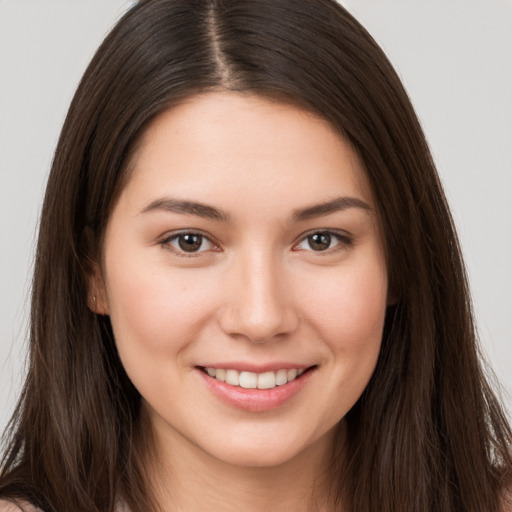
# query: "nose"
{"type": "Point", "coordinates": [258, 305]}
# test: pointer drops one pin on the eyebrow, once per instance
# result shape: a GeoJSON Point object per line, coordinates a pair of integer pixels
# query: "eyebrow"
{"type": "Point", "coordinates": [335, 205]}
{"type": "Point", "coordinates": [173, 205]}
{"type": "Point", "coordinates": [187, 207]}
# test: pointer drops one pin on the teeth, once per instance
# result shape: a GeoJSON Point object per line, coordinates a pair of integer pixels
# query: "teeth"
{"type": "Point", "coordinates": [250, 380]}
{"type": "Point", "coordinates": [232, 377]}
{"type": "Point", "coordinates": [267, 380]}
{"type": "Point", "coordinates": [281, 377]}
{"type": "Point", "coordinates": [291, 374]}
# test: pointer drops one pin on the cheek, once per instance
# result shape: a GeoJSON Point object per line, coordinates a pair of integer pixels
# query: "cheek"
{"type": "Point", "coordinates": [349, 307]}
{"type": "Point", "coordinates": [154, 312]}
{"type": "Point", "coordinates": [348, 314]}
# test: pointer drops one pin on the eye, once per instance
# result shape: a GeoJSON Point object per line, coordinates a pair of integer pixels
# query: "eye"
{"type": "Point", "coordinates": [188, 242]}
{"type": "Point", "coordinates": [321, 241]}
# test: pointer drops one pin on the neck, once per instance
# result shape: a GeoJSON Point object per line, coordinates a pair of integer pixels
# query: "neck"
{"type": "Point", "coordinates": [185, 479]}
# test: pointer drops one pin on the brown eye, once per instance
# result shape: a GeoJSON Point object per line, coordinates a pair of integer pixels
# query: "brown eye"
{"type": "Point", "coordinates": [319, 241]}
{"type": "Point", "coordinates": [322, 241]}
{"type": "Point", "coordinates": [189, 243]}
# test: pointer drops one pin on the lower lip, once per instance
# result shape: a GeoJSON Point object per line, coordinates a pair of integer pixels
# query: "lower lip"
{"type": "Point", "coordinates": [255, 400]}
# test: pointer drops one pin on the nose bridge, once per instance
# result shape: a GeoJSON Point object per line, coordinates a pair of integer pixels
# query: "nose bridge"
{"type": "Point", "coordinates": [259, 306]}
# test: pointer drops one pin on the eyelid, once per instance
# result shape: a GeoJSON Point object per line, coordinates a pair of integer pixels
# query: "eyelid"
{"type": "Point", "coordinates": [345, 240]}
{"type": "Point", "coordinates": [166, 239]}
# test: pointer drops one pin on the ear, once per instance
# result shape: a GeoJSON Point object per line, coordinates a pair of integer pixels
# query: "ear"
{"type": "Point", "coordinates": [97, 299]}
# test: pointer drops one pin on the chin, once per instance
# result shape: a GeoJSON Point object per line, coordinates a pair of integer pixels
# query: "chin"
{"type": "Point", "coordinates": [267, 450]}
{"type": "Point", "coordinates": [263, 458]}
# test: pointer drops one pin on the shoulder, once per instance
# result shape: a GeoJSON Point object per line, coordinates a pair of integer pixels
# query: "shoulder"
{"type": "Point", "coordinates": [16, 506]}
{"type": "Point", "coordinates": [120, 507]}
{"type": "Point", "coordinates": [507, 501]}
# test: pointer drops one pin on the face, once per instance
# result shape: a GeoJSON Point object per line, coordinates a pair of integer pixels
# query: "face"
{"type": "Point", "coordinates": [245, 279]}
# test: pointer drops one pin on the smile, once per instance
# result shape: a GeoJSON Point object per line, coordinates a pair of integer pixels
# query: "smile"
{"type": "Point", "coordinates": [256, 391]}
{"type": "Point", "coordinates": [251, 380]}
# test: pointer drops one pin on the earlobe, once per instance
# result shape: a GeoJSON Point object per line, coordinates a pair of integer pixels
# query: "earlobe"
{"type": "Point", "coordinates": [96, 294]}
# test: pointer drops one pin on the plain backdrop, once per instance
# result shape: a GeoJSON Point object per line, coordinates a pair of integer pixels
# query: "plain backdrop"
{"type": "Point", "coordinates": [454, 56]}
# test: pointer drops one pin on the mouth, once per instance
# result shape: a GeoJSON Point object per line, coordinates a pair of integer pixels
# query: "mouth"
{"type": "Point", "coordinates": [253, 380]}
{"type": "Point", "coordinates": [256, 391]}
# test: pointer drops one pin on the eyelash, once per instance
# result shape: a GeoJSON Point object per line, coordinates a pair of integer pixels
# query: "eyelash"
{"type": "Point", "coordinates": [343, 241]}
{"type": "Point", "coordinates": [167, 243]}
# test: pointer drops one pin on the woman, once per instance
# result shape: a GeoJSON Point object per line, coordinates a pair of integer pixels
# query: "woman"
{"type": "Point", "coordinates": [248, 289]}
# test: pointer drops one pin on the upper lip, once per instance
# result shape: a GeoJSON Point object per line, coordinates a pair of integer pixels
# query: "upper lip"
{"type": "Point", "coordinates": [246, 366]}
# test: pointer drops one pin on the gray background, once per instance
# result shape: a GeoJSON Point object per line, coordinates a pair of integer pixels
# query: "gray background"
{"type": "Point", "coordinates": [454, 57]}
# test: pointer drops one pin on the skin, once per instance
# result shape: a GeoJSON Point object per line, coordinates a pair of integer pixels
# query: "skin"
{"type": "Point", "coordinates": [256, 291]}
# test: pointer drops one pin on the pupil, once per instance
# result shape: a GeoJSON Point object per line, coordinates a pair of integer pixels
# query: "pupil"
{"type": "Point", "coordinates": [319, 241]}
{"type": "Point", "coordinates": [190, 243]}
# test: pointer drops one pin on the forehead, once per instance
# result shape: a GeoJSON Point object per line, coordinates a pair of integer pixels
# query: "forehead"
{"type": "Point", "coordinates": [221, 142]}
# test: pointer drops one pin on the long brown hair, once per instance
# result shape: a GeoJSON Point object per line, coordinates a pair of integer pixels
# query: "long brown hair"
{"type": "Point", "coordinates": [428, 433]}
